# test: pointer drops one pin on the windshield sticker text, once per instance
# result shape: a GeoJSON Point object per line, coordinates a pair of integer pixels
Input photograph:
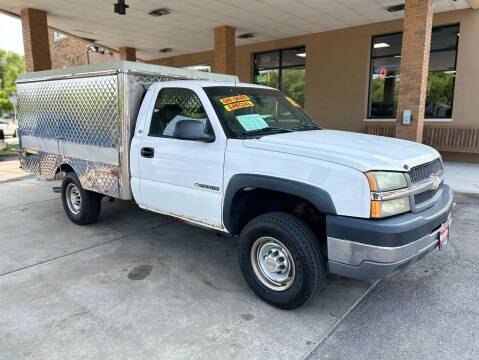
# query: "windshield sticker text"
{"type": "Point", "coordinates": [239, 105]}
{"type": "Point", "coordinates": [233, 99]}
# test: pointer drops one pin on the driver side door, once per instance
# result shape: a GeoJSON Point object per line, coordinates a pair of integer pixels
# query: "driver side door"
{"type": "Point", "coordinates": [183, 178]}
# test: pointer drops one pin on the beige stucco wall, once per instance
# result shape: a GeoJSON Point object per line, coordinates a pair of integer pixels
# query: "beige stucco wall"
{"type": "Point", "coordinates": [337, 70]}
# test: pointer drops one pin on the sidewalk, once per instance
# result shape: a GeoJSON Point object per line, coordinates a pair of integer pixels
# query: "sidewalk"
{"type": "Point", "coordinates": [462, 177]}
{"type": "Point", "coordinates": [10, 170]}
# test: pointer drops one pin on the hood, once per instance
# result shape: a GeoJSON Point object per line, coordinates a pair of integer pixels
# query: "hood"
{"type": "Point", "coordinates": [359, 151]}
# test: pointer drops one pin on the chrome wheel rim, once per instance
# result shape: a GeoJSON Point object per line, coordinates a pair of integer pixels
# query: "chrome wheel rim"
{"type": "Point", "coordinates": [73, 198]}
{"type": "Point", "coordinates": [272, 263]}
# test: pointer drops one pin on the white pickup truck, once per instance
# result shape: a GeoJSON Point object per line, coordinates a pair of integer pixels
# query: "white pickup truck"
{"type": "Point", "coordinates": [238, 158]}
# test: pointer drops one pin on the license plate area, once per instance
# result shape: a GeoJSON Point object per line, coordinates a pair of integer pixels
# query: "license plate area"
{"type": "Point", "coordinates": [444, 234]}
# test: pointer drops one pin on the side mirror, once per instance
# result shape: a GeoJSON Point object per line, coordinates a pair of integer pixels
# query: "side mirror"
{"type": "Point", "coordinates": [192, 130]}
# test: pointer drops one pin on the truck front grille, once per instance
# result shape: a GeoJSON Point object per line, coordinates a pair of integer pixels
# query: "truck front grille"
{"type": "Point", "coordinates": [424, 171]}
{"type": "Point", "coordinates": [424, 196]}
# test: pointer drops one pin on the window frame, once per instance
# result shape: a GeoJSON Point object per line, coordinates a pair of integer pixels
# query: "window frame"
{"type": "Point", "coordinates": [371, 58]}
{"type": "Point", "coordinates": [158, 94]}
{"type": "Point", "coordinates": [280, 67]}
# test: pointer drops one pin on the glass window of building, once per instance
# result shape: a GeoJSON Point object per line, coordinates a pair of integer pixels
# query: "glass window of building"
{"type": "Point", "coordinates": [282, 69]}
{"type": "Point", "coordinates": [202, 67]}
{"type": "Point", "coordinates": [385, 66]}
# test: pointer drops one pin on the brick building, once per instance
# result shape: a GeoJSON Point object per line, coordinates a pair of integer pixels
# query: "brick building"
{"type": "Point", "coordinates": [361, 65]}
{"type": "Point", "coordinates": [67, 51]}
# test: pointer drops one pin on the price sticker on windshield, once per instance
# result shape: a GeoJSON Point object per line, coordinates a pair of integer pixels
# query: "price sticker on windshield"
{"type": "Point", "coordinates": [252, 122]}
{"type": "Point", "coordinates": [239, 105]}
{"type": "Point", "coordinates": [233, 99]}
{"type": "Point", "coordinates": [294, 103]}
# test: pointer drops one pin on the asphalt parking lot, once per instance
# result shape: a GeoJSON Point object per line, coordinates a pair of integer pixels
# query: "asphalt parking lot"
{"type": "Point", "coordinates": [138, 285]}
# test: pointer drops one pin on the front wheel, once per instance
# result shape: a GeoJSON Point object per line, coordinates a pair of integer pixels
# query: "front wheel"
{"type": "Point", "coordinates": [81, 206]}
{"type": "Point", "coordinates": [281, 260]}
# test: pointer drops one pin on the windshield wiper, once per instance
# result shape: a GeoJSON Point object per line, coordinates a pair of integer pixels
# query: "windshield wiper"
{"type": "Point", "coordinates": [265, 130]}
{"type": "Point", "coordinates": [307, 127]}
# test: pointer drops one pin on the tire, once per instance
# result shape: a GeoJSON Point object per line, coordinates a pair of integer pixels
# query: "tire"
{"type": "Point", "coordinates": [280, 259]}
{"type": "Point", "coordinates": [83, 207]}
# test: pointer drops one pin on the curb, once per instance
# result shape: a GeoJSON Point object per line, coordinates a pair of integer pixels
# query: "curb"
{"type": "Point", "coordinates": [466, 198]}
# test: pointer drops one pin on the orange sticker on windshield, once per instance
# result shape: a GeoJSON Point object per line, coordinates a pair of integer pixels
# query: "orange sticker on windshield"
{"type": "Point", "coordinates": [233, 99]}
{"type": "Point", "coordinates": [239, 105]}
{"type": "Point", "coordinates": [294, 103]}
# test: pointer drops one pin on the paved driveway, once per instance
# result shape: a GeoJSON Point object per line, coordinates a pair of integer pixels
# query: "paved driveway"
{"type": "Point", "coordinates": [138, 285]}
{"type": "Point", "coordinates": [429, 312]}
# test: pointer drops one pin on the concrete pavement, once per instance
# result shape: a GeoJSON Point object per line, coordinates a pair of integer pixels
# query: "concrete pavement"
{"type": "Point", "coordinates": [138, 285]}
{"type": "Point", "coordinates": [431, 311]}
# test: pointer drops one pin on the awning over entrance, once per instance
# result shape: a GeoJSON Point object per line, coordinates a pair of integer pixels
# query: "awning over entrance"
{"type": "Point", "coordinates": [188, 26]}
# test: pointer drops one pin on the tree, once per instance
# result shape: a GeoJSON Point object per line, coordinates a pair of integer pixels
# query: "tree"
{"type": "Point", "coordinates": [11, 65]}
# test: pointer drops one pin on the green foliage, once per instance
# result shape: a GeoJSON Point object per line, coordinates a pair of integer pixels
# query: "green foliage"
{"type": "Point", "coordinates": [12, 149]}
{"type": "Point", "coordinates": [11, 65]}
{"type": "Point", "coordinates": [440, 88]}
{"type": "Point", "coordinates": [293, 83]}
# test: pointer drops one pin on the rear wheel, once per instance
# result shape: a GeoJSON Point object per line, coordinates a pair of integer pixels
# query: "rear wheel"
{"type": "Point", "coordinates": [81, 206]}
{"type": "Point", "coordinates": [281, 260]}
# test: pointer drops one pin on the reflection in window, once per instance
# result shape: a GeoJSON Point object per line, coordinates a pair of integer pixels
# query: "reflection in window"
{"type": "Point", "coordinates": [385, 65]}
{"type": "Point", "coordinates": [282, 69]}
{"type": "Point", "coordinates": [202, 67]}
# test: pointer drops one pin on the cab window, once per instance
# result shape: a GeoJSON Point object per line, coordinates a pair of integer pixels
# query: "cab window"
{"type": "Point", "coordinates": [173, 105]}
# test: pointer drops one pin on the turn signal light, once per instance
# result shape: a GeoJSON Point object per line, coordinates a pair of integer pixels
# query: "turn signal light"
{"type": "Point", "coordinates": [372, 181]}
{"type": "Point", "coordinates": [375, 209]}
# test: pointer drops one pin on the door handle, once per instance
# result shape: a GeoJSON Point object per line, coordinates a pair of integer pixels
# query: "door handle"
{"type": "Point", "coordinates": [147, 152]}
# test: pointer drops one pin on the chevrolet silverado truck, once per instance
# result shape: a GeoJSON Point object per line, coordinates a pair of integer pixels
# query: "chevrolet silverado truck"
{"type": "Point", "coordinates": [237, 158]}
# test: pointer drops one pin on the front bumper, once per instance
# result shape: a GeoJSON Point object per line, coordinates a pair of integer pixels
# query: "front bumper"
{"type": "Point", "coordinates": [375, 249]}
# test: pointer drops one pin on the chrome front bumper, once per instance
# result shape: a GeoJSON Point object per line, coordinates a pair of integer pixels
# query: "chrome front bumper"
{"type": "Point", "coordinates": [366, 258]}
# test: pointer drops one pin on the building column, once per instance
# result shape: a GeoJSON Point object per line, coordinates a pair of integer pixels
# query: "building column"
{"type": "Point", "coordinates": [416, 45]}
{"type": "Point", "coordinates": [35, 40]}
{"type": "Point", "coordinates": [127, 53]}
{"type": "Point", "coordinates": [224, 52]}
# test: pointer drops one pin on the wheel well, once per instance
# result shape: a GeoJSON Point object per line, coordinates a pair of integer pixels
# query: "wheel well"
{"type": "Point", "coordinates": [63, 169]}
{"type": "Point", "coordinates": [252, 202]}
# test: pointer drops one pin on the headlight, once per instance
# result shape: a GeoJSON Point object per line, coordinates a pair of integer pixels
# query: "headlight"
{"type": "Point", "coordinates": [383, 182]}
{"type": "Point", "coordinates": [386, 181]}
{"type": "Point", "coordinates": [385, 208]}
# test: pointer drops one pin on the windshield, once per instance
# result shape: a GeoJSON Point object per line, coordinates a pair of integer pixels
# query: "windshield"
{"type": "Point", "coordinates": [250, 111]}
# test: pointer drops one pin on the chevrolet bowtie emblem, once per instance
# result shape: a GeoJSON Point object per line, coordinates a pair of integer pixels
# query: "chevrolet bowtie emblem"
{"type": "Point", "coordinates": [437, 182]}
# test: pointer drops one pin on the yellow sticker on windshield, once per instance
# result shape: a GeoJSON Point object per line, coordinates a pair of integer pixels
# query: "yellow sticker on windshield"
{"type": "Point", "coordinates": [294, 103]}
{"type": "Point", "coordinates": [233, 99]}
{"type": "Point", "coordinates": [239, 105]}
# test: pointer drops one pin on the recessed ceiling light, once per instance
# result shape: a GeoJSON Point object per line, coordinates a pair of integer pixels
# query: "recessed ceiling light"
{"type": "Point", "coordinates": [159, 12]}
{"type": "Point", "coordinates": [381, 45]}
{"type": "Point", "coordinates": [303, 55]}
{"type": "Point", "coordinates": [395, 8]}
{"type": "Point", "coordinates": [166, 50]}
{"type": "Point", "coordinates": [246, 36]}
